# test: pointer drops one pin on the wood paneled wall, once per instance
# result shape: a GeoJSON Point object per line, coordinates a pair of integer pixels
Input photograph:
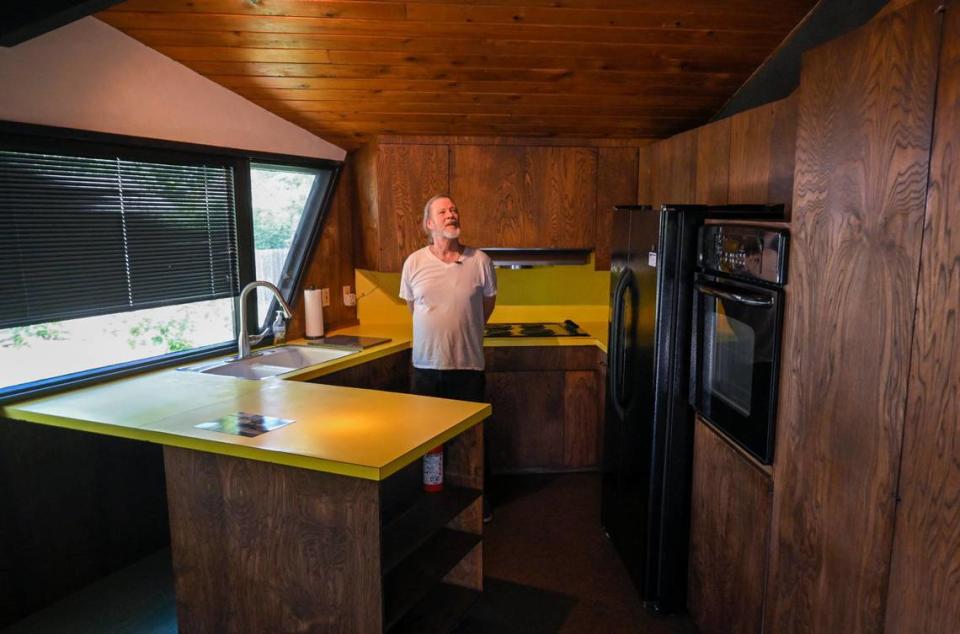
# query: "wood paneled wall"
{"type": "Point", "coordinates": [863, 142]}
{"type": "Point", "coordinates": [331, 263]}
{"type": "Point", "coordinates": [924, 593]}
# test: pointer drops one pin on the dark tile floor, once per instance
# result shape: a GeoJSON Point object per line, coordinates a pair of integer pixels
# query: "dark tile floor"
{"type": "Point", "coordinates": [549, 568]}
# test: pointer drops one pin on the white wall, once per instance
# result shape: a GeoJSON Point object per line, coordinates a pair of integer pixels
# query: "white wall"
{"type": "Point", "coordinates": [90, 76]}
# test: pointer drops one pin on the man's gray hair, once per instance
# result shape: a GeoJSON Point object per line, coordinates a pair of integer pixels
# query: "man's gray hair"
{"type": "Point", "coordinates": [426, 210]}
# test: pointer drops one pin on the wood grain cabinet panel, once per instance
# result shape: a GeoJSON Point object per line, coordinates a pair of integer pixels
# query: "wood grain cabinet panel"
{"type": "Point", "coordinates": [617, 173]}
{"type": "Point", "coordinates": [526, 429]}
{"type": "Point", "coordinates": [924, 593]}
{"type": "Point", "coordinates": [392, 182]}
{"type": "Point", "coordinates": [863, 146]}
{"type": "Point", "coordinates": [713, 163]}
{"type": "Point", "coordinates": [762, 149]}
{"type": "Point", "coordinates": [581, 422]}
{"type": "Point", "coordinates": [547, 408]}
{"type": "Point", "coordinates": [488, 183]}
{"type": "Point", "coordinates": [674, 170]}
{"type": "Point", "coordinates": [416, 172]}
{"type": "Point", "coordinates": [729, 535]}
{"type": "Point", "coordinates": [536, 197]}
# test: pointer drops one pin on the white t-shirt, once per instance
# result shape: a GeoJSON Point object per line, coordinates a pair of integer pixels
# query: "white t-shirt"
{"type": "Point", "coordinates": [448, 307]}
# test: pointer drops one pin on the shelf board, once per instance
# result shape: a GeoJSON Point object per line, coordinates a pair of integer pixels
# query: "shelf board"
{"type": "Point", "coordinates": [440, 611]}
{"type": "Point", "coordinates": [419, 573]}
{"type": "Point", "coordinates": [431, 512]}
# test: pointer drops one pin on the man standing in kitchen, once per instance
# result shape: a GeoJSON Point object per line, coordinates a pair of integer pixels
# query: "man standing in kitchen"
{"type": "Point", "coordinates": [451, 290]}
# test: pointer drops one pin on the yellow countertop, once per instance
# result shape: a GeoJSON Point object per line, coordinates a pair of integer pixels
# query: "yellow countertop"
{"type": "Point", "coordinates": [361, 433]}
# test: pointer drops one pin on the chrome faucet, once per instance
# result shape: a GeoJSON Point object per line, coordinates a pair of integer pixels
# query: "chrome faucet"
{"type": "Point", "coordinates": [244, 340]}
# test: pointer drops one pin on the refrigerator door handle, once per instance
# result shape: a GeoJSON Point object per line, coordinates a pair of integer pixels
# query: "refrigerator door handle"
{"type": "Point", "coordinates": [740, 298]}
{"type": "Point", "coordinates": [616, 342]}
{"type": "Point", "coordinates": [625, 284]}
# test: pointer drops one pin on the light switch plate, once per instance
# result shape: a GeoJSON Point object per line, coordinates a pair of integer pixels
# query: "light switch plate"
{"type": "Point", "coordinates": [324, 297]}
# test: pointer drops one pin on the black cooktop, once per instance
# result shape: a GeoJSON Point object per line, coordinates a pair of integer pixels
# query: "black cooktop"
{"type": "Point", "coordinates": [535, 329]}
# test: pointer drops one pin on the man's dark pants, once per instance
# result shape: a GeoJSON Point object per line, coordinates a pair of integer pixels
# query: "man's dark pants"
{"type": "Point", "coordinates": [462, 385]}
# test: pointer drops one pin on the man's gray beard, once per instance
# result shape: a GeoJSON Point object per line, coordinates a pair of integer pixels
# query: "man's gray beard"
{"type": "Point", "coordinates": [451, 233]}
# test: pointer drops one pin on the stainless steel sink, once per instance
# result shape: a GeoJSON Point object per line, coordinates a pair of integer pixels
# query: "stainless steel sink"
{"type": "Point", "coordinates": [272, 362]}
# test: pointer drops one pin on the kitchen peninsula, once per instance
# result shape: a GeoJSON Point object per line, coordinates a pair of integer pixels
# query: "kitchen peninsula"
{"type": "Point", "coordinates": [317, 525]}
{"type": "Point", "coordinates": [321, 523]}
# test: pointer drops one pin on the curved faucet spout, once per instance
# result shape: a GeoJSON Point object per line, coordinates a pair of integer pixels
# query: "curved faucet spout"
{"type": "Point", "coordinates": [243, 339]}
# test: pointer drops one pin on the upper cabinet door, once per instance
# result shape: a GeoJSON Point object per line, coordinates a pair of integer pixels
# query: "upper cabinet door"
{"type": "Point", "coordinates": [532, 197]}
{"type": "Point", "coordinates": [674, 173]}
{"type": "Point", "coordinates": [616, 185]}
{"type": "Point", "coordinates": [713, 162]}
{"type": "Point", "coordinates": [411, 174]}
{"type": "Point", "coordinates": [762, 148]}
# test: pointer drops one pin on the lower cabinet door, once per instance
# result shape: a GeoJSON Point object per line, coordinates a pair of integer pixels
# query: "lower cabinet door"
{"type": "Point", "coordinates": [729, 537]}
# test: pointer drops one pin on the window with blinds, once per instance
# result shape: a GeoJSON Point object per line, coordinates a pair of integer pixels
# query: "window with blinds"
{"type": "Point", "coordinates": [112, 261]}
{"type": "Point", "coordinates": [83, 236]}
{"type": "Point", "coordinates": [121, 253]}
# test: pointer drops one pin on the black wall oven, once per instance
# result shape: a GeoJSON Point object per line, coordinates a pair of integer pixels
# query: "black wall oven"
{"type": "Point", "coordinates": [737, 323]}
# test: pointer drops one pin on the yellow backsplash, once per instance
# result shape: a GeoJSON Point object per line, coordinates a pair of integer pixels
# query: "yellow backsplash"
{"type": "Point", "coordinates": [549, 293]}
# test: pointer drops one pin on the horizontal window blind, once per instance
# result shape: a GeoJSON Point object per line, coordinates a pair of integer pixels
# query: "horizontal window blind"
{"type": "Point", "coordinates": [84, 236]}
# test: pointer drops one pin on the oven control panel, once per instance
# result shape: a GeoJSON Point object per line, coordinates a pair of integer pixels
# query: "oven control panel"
{"type": "Point", "coordinates": [757, 253]}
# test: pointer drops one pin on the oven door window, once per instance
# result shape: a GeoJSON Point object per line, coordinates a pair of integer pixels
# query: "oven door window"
{"type": "Point", "coordinates": [729, 357]}
{"type": "Point", "coordinates": [735, 366]}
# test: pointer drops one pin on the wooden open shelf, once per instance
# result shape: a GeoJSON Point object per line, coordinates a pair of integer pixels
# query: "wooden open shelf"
{"type": "Point", "coordinates": [420, 573]}
{"type": "Point", "coordinates": [440, 611]}
{"type": "Point", "coordinates": [429, 514]}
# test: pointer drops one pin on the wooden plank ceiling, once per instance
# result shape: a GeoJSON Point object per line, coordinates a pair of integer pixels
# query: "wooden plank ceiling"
{"type": "Point", "coordinates": [351, 70]}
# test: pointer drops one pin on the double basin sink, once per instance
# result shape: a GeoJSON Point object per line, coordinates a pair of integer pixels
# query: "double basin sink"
{"type": "Point", "coordinates": [272, 362]}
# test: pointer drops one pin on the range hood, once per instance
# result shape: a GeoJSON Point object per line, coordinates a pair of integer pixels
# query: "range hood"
{"type": "Point", "coordinates": [529, 258]}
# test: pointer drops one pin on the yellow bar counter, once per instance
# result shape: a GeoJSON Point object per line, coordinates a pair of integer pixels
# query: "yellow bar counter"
{"type": "Point", "coordinates": [320, 525]}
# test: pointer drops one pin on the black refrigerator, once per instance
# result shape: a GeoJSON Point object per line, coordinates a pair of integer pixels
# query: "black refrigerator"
{"type": "Point", "coordinates": [648, 432]}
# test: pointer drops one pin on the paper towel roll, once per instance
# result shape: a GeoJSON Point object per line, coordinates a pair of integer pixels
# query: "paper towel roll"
{"type": "Point", "coordinates": [313, 313]}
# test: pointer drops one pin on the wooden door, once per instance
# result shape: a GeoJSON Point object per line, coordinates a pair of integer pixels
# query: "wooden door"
{"type": "Point", "coordinates": [863, 145]}
{"type": "Point", "coordinates": [924, 594]}
{"type": "Point", "coordinates": [526, 431]}
{"type": "Point", "coordinates": [729, 535]}
{"type": "Point", "coordinates": [408, 176]}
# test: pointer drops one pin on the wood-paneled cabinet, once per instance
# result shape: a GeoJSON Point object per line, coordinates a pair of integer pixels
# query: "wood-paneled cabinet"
{"type": "Point", "coordinates": [510, 195]}
{"type": "Point", "coordinates": [547, 408]}
{"type": "Point", "coordinates": [729, 535]}
{"type": "Point", "coordinates": [674, 169]}
{"type": "Point", "coordinates": [523, 196]}
{"type": "Point", "coordinates": [713, 163]}
{"type": "Point", "coordinates": [617, 183]}
{"type": "Point", "coordinates": [394, 182]}
{"type": "Point", "coordinates": [762, 147]}
{"type": "Point", "coordinates": [747, 158]}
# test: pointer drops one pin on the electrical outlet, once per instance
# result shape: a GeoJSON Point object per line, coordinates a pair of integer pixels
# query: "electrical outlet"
{"type": "Point", "coordinates": [349, 298]}
{"type": "Point", "coordinates": [324, 297]}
